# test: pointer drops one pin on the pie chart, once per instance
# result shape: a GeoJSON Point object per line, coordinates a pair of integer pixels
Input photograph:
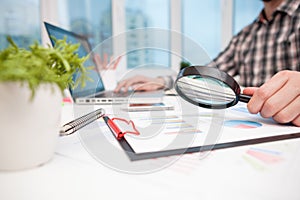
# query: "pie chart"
{"type": "Point", "coordinates": [243, 124]}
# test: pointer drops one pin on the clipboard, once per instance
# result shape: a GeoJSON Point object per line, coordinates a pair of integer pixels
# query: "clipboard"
{"type": "Point", "coordinates": [236, 131]}
{"type": "Point", "coordinates": [133, 156]}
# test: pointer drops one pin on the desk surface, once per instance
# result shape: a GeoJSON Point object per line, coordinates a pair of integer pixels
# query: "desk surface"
{"type": "Point", "coordinates": [234, 173]}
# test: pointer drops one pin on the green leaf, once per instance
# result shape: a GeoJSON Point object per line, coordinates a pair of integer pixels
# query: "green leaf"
{"type": "Point", "coordinates": [43, 64]}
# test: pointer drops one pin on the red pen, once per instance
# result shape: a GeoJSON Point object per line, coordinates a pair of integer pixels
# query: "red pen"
{"type": "Point", "coordinates": [116, 130]}
{"type": "Point", "coordinates": [113, 127]}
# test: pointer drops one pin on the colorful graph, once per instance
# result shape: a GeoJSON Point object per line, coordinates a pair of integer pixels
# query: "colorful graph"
{"type": "Point", "coordinates": [244, 124]}
{"type": "Point", "coordinates": [266, 156]}
{"type": "Point", "coordinates": [261, 159]}
{"type": "Point", "coordinates": [172, 125]}
{"type": "Point", "coordinates": [241, 109]}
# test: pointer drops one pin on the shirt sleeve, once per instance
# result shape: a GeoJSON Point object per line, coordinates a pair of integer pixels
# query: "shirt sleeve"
{"type": "Point", "coordinates": [225, 61]}
{"type": "Point", "coordinates": [168, 81]}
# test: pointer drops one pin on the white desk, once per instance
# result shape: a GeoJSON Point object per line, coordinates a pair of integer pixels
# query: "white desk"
{"type": "Point", "coordinates": [223, 174]}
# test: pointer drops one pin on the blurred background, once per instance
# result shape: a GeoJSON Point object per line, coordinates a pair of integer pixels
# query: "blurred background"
{"type": "Point", "coordinates": [210, 24]}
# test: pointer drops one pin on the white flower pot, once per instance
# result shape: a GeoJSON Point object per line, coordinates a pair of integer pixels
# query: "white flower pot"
{"type": "Point", "coordinates": [29, 129]}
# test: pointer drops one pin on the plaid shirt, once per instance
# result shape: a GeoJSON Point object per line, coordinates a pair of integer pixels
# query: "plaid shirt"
{"type": "Point", "coordinates": [264, 47]}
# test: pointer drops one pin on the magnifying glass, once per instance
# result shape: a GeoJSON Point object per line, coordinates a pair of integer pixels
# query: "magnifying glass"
{"type": "Point", "coordinates": [208, 87]}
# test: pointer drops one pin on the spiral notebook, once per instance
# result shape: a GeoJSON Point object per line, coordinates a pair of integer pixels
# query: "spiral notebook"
{"type": "Point", "coordinates": [75, 125]}
{"type": "Point", "coordinates": [112, 123]}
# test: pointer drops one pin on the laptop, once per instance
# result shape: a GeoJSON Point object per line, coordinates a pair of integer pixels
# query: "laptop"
{"type": "Point", "coordinates": [94, 91]}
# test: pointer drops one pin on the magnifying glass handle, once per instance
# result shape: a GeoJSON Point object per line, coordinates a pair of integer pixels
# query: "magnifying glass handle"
{"type": "Point", "coordinates": [244, 98]}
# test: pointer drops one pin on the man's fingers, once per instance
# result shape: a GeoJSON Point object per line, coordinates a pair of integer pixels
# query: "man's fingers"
{"type": "Point", "coordinates": [119, 87]}
{"type": "Point", "coordinates": [249, 90]}
{"type": "Point", "coordinates": [125, 84]}
{"type": "Point", "coordinates": [262, 94]}
{"type": "Point", "coordinates": [288, 114]}
{"type": "Point", "coordinates": [296, 121]}
{"type": "Point", "coordinates": [151, 86]}
{"type": "Point", "coordinates": [140, 83]}
{"type": "Point", "coordinates": [281, 99]}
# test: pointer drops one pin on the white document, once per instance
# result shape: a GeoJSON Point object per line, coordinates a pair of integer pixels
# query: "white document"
{"type": "Point", "coordinates": [172, 131]}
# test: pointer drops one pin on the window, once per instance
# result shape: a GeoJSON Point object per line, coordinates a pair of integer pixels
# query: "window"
{"type": "Point", "coordinates": [90, 18]}
{"type": "Point", "coordinates": [245, 12]}
{"type": "Point", "coordinates": [145, 14]}
{"type": "Point", "coordinates": [21, 21]}
{"type": "Point", "coordinates": [201, 21]}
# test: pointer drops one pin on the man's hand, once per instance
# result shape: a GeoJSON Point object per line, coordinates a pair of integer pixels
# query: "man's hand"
{"type": "Point", "coordinates": [140, 83]}
{"type": "Point", "coordinates": [278, 98]}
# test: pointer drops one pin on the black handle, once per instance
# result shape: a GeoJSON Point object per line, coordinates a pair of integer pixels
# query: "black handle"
{"type": "Point", "coordinates": [244, 98]}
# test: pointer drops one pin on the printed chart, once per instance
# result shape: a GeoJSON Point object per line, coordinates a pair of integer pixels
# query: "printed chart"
{"type": "Point", "coordinates": [243, 124]}
{"type": "Point", "coordinates": [172, 125]}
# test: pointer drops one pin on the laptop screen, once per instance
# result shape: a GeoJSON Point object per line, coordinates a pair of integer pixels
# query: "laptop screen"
{"type": "Point", "coordinates": [84, 49]}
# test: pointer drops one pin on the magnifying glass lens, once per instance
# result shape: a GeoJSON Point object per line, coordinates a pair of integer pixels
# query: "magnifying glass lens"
{"type": "Point", "coordinates": [208, 87]}
{"type": "Point", "coordinates": [206, 91]}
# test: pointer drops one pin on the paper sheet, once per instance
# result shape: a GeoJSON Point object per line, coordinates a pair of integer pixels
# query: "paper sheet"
{"type": "Point", "coordinates": [173, 131]}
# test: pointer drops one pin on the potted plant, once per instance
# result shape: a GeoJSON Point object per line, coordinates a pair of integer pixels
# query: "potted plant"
{"type": "Point", "coordinates": [184, 64]}
{"type": "Point", "coordinates": [31, 87]}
